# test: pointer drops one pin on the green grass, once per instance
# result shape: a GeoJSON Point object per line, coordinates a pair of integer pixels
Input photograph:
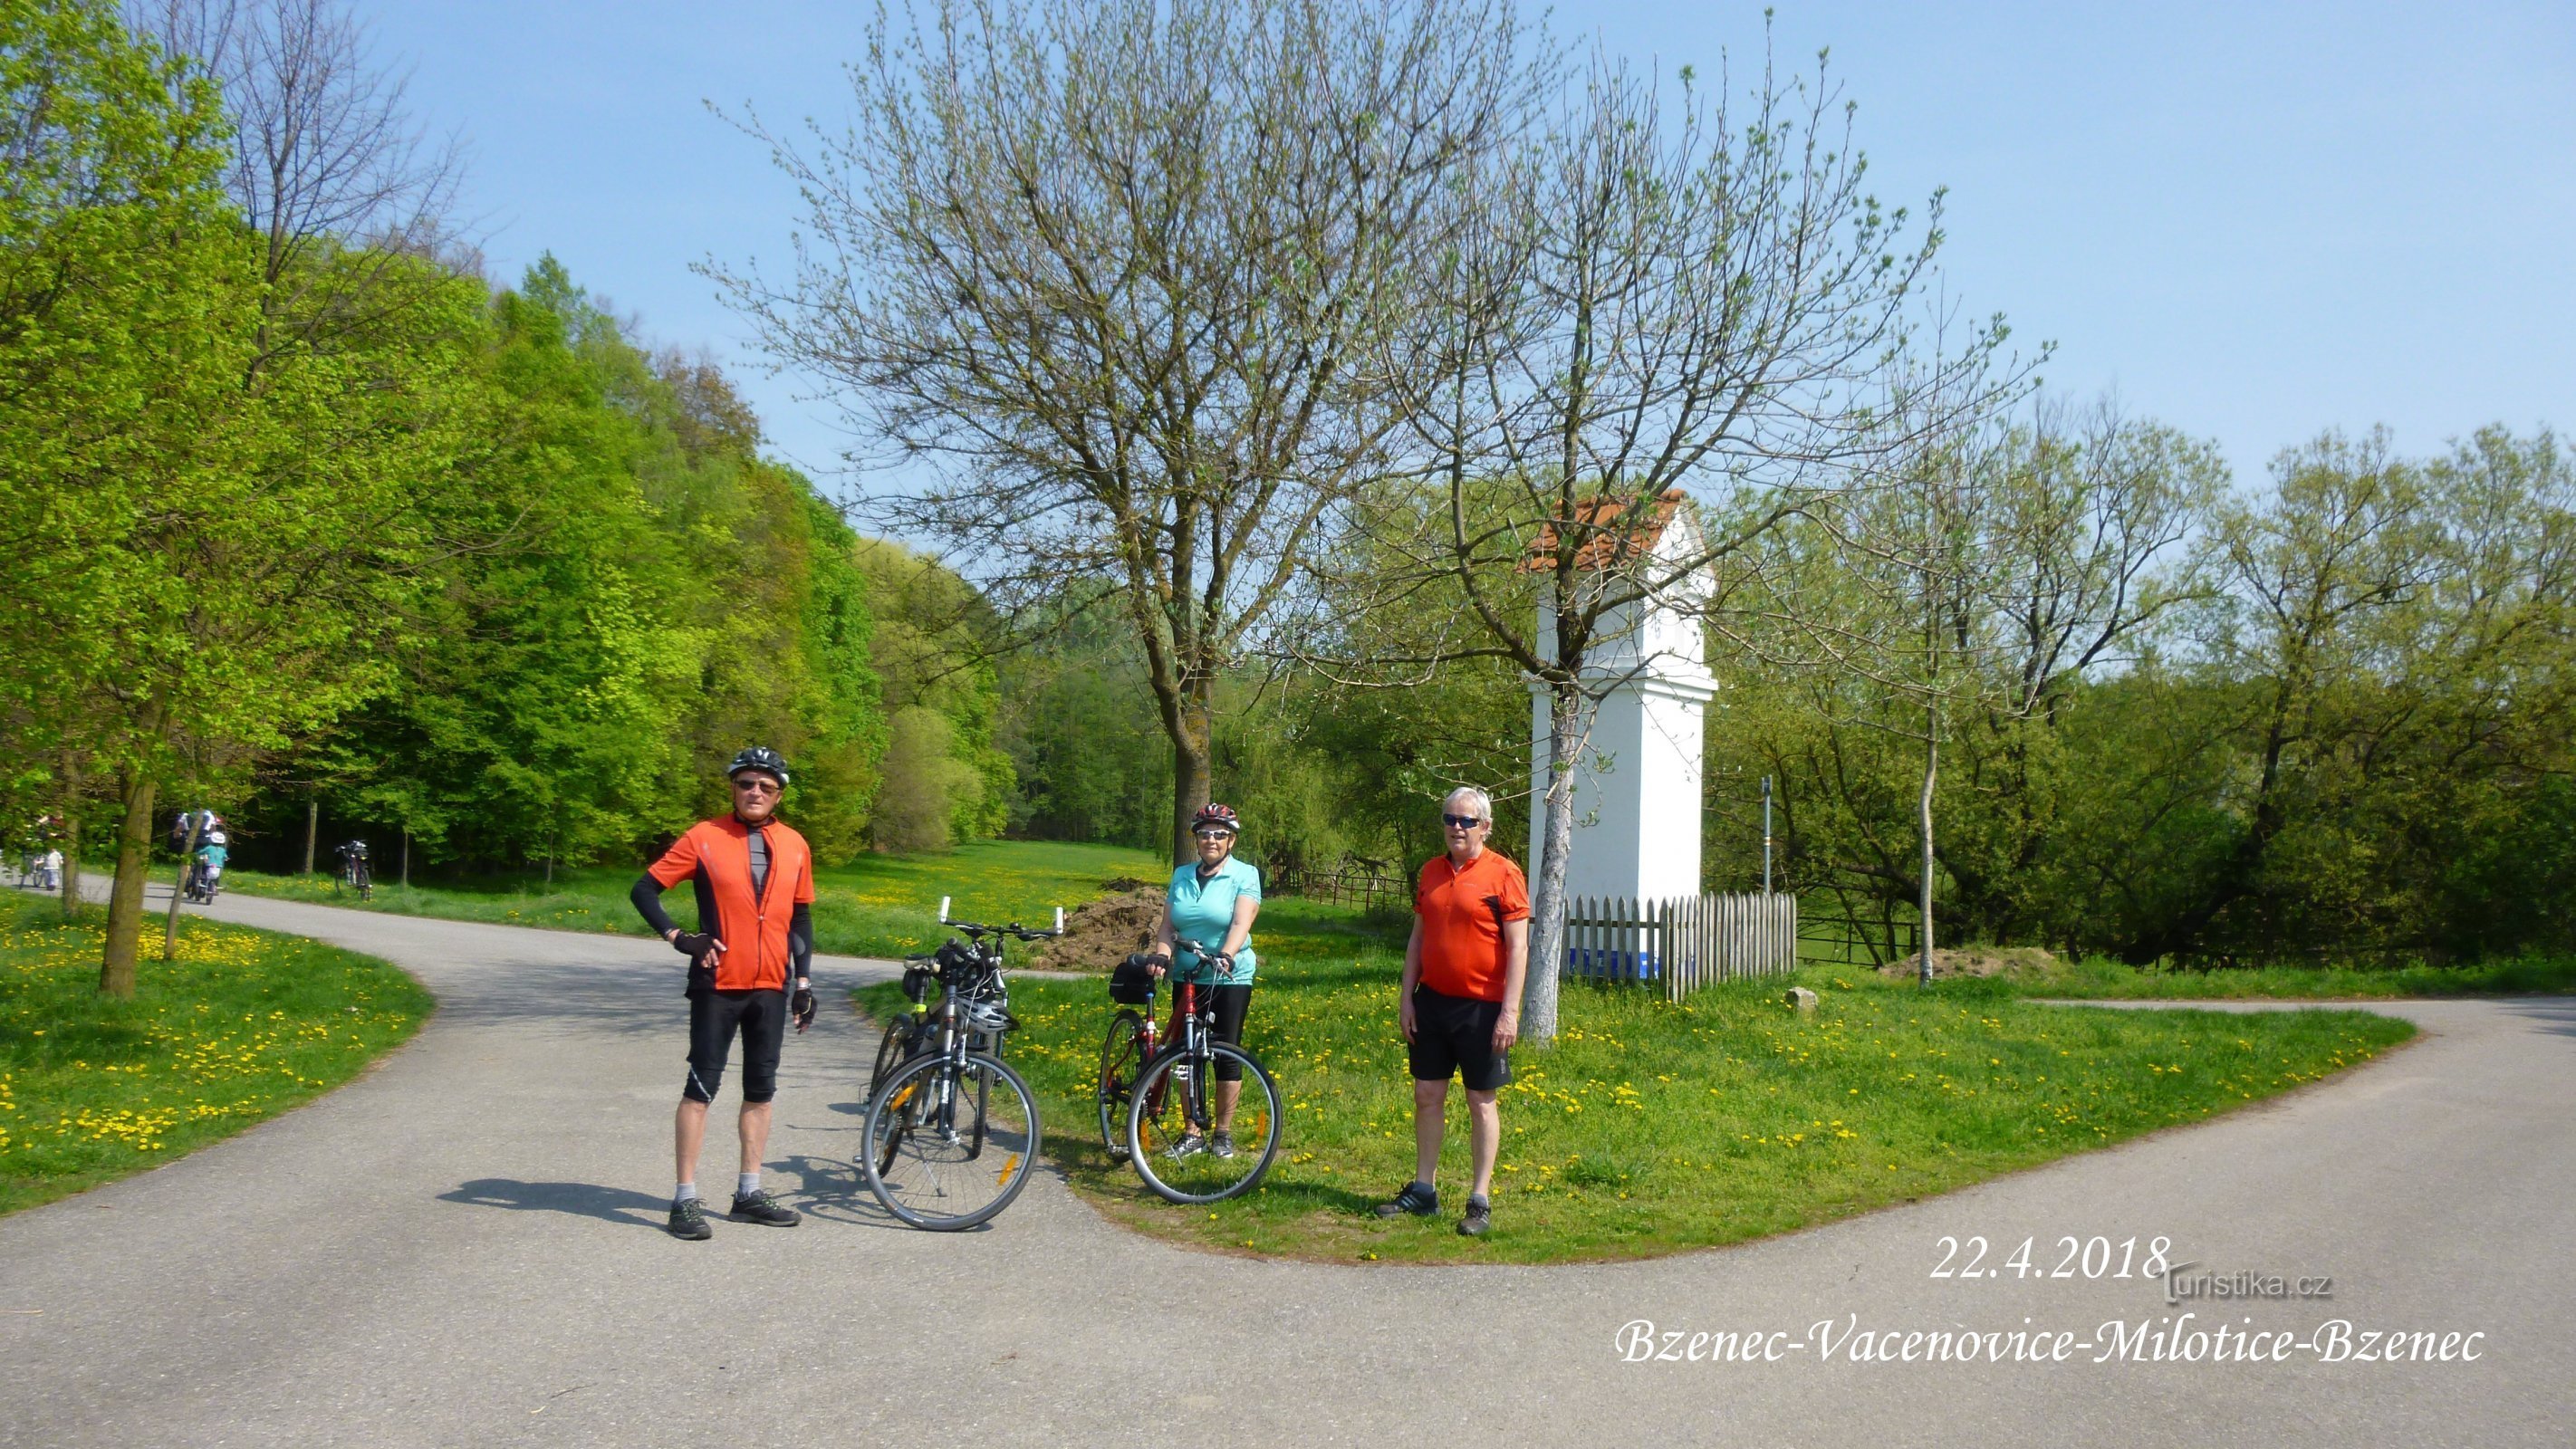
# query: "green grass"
{"type": "Point", "coordinates": [1650, 1128]}
{"type": "Point", "coordinates": [882, 905]}
{"type": "Point", "coordinates": [244, 1025]}
{"type": "Point", "coordinates": [2099, 979]}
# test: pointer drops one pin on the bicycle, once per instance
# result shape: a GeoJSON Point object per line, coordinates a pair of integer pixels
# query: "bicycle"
{"type": "Point", "coordinates": [936, 1109]}
{"type": "Point", "coordinates": [1155, 1095]}
{"type": "Point", "coordinates": [199, 886]}
{"type": "Point", "coordinates": [354, 875]}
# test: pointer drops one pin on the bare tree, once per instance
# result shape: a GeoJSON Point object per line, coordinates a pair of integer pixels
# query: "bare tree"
{"type": "Point", "coordinates": [1123, 273]}
{"type": "Point", "coordinates": [1661, 296]}
{"type": "Point", "coordinates": [328, 160]}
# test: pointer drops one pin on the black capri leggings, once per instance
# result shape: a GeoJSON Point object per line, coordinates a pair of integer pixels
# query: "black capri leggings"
{"type": "Point", "coordinates": [1231, 1004]}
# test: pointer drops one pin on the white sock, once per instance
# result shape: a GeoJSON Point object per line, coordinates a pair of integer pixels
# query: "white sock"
{"type": "Point", "coordinates": [748, 1184]}
{"type": "Point", "coordinates": [684, 1192]}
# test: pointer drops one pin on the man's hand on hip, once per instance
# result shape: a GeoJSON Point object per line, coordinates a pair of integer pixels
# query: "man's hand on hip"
{"type": "Point", "coordinates": [701, 947]}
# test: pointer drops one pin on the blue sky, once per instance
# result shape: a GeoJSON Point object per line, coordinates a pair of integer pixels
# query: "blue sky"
{"type": "Point", "coordinates": [2254, 221]}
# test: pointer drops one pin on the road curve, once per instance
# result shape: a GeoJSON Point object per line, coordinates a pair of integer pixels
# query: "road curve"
{"type": "Point", "coordinates": [463, 1247]}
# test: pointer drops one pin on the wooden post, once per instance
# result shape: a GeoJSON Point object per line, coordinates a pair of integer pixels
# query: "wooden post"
{"type": "Point", "coordinates": [406, 866]}
{"type": "Point", "coordinates": [312, 827]}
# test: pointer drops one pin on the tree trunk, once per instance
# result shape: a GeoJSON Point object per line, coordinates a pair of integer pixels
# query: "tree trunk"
{"type": "Point", "coordinates": [1193, 732]}
{"type": "Point", "coordinates": [1569, 722]}
{"type": "Point", "coordinates": [178, 889]}
{"type": "Point", "coordinates": [312, 827]}
{"type": "Point", "coordinates": [71, 836]}
{"type": "Point", "coordinates": [1923, 820]}
{"type": "Point", "coordinates": [125, 898]}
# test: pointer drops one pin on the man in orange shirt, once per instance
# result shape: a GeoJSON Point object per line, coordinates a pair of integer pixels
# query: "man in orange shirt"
{"type": "Point", "coordinates": [1461, 1005]}
{"type": "Point", "coordinates": [755, 888]}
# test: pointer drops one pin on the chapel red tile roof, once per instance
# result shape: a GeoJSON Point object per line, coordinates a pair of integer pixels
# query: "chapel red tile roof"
{"type": "Point", "coordinates": [1611, 539]}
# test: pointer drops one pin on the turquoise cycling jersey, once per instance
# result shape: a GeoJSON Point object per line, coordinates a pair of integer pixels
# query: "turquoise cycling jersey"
{"type": "Point", "coordinates": [1203, 911]}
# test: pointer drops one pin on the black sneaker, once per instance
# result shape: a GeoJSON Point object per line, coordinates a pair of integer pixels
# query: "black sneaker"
{"type": "Point", "coordinates": [1222, 1144]}
{"type": "Point", "coordinates": [1190, 1145]}
{"type": "Point", "coordinates": [689, 1221]}
{"type": "Point", "coordinates": [761, 1208]}
{"type": "Point", "coordinates": [1479, 1219]}
{"type": "Point", "coordinates": [1417, 1199]}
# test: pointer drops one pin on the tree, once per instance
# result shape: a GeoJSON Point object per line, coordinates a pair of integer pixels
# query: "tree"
{"type": "Point", "coordinates": [328, 167]}
{"type": "Point", "coordinates": [1646, 297]}
{"type": "Point", "coordinates": [1124, 271]}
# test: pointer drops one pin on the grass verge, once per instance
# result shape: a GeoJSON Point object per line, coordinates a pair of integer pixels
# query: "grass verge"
{"type": "Point", "coordinates": [244, 1025]}
{"type": "Point", "coordinates": [880, 905]}
{"type": "Point", "coordinates": [1652, 1129]}
{"type": "Point", "coordinates": [2103, 980]}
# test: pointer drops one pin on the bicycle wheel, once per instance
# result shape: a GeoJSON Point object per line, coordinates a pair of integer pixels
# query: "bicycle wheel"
{"type": "Point", "coordinates": [920, 1149]}
{"type": "Point", "coordinates": [1122, 1060]}
{"type": "Point", "coordinates": [1170, 1135]}
{"type": "Point", "coordinates": [891, 1050]}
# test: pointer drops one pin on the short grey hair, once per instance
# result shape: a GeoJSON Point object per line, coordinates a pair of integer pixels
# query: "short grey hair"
{"type": "Point", "coordinates": [1483, 802]}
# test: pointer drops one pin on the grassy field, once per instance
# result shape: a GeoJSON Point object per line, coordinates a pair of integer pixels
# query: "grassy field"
{"type": "Point", "coordinates": [1651, 1129]}
{"type": "Point", "coordinates": [244, 1025]}
{"type": "Point", "coordinates": [883, 905]}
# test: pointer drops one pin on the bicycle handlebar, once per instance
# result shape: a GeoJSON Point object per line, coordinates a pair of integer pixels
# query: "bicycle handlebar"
{"type": "Point", "coordinates": [1206, 957]}
{"type": "Point", "coordinates": [1025, 933]}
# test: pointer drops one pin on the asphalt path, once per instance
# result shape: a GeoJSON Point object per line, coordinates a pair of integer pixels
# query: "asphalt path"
{"type": "Point", "coordinates": [464, 1247]}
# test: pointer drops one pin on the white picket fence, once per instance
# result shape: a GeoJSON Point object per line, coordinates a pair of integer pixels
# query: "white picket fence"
{"type": "Point", "coordinates": [1684, 944]}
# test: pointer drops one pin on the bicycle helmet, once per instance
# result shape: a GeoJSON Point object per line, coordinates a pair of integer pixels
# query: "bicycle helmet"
{"type": "Point", "coordinates": [1215, 814]}
{"type": "Point", "coordinates": [761, 758]}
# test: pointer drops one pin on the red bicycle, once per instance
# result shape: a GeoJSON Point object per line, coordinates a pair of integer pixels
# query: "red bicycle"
{"type": "Point", "coordinates": [1162, 1097]}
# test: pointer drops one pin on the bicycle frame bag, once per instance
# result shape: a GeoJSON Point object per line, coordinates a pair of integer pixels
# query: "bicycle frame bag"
{"type": "Point", "coordinates": [1131, 982]}
{"type": "Point", "coordinates": [916, 983]}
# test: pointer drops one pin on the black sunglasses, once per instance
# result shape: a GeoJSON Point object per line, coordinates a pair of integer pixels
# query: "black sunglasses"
{"type": "Point", "coordinates": [1462, 822]}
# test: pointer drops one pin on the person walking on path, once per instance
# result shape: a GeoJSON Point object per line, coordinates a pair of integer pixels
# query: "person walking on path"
{"type": "Point", "coordinates": [1460, 1008]}
{"type": "Point", "coordinates": [755, 888]}
{"type": "Point", "coordinates": [1214, 899]}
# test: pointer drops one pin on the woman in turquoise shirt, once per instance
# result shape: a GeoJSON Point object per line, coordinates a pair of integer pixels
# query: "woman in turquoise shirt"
{"type": "Point", "coordinates": [1213, 900]}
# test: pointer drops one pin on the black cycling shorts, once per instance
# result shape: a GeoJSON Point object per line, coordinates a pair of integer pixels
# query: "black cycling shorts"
{"type": "Point", "coordinates": [1455, 1034]}
{"type": "Point", "coordinates": [714, 1016]}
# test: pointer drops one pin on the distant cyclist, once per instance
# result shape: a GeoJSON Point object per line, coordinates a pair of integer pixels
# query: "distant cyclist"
{"type": "Point", "coordinates": [755, 889]}
{"type": "Point", "coordinates": [1213, 900]}
{"type": "Point", "coordinates": [212, 851]}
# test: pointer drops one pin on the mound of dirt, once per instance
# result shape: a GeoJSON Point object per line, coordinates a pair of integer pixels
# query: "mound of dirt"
{"type": "Point", "coordinates": [1102, 934]}
{"type": "Point", "coordinates": [1970, 961]}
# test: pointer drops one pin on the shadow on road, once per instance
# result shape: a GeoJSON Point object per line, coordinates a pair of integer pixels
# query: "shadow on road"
{"type": "Point", "coordinates": [580, 1199]}
{"type": "Point", "coordinates": [2556, 1013]}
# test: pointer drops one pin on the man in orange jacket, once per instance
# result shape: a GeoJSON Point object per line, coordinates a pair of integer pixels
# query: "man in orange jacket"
{"type": "Point", "coordinates": [755, 887]}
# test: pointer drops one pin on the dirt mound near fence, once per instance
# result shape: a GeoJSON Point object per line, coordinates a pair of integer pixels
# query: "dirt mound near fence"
{"type": "Point", "coordinates": [1102, 934]}
{"type": "Point", "coordinates": [1975, 961]}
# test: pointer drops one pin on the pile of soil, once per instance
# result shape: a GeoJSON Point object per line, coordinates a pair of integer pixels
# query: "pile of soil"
{"type": "Point", "coordinates": [1975, 961]}
{"type": "Point", "coordinates": [1102, 934]}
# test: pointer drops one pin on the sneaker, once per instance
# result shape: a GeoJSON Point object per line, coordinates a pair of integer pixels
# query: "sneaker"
{"type": "Point", "coordinates": [1417, 1198]}
{"type": "Point", "coordinates": [1479, 1219]}
{"type": "Point", "coordinates": [689, 1221]}
{"type": "Point", "coordinates": [1222, 1144]}
{"type": "Point", "coordinates": [1190, 1145]}
{"type": "Point", "coordinates": [761, 1208]}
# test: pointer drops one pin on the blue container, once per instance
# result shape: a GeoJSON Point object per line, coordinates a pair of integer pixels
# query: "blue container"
{"type": "Point", "coordinates": [1598, 964]}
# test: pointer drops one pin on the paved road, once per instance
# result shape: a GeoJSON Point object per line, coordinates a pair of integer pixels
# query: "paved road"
{"type": "Point", "coordinates": [464, 1248]}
